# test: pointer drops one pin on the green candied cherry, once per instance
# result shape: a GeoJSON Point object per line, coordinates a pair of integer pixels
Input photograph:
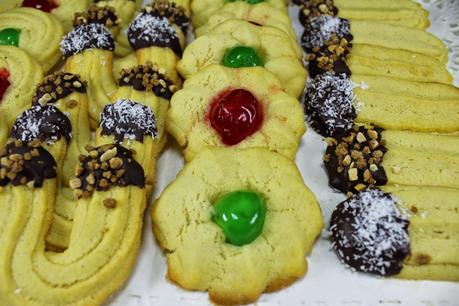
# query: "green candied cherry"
{"type": "Point", "coordinates": [241, 215]}
{"type": "Point", "coordinates": [241, 56]}
{"type": "Point", "coordinates": [248, 1]}
{"type": "Point", "coordinates": [9, 37]}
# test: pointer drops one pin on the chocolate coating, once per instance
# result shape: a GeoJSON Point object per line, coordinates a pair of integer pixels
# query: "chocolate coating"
{"type": "Point", "coordinates": [370, 234]}
{"type": "Point", "coordinates": [127, 119]}
{"type": "Point", "coordinates": [339, 67]}
{"type": "Point", "coordinates": [26, 164]}
{"type": "Point", "coordinates": [148, 78]}
{"type": "Point", "coordinates": [58, 85]}
{"type": "Point", "coordinates": [107, 166]}
{"type": "Point", "coordinates": [320, 29]}
{"type": "Point", "coordinates": [87, 36]}
{"type": "Point", "coordinates": [362, 150]}
{"type": "Point", "coordinates": [328, 104]}
{"type": "Point", "coordinates": [44, 123]}
{"type": "Point", "coordinates": [148, 30]}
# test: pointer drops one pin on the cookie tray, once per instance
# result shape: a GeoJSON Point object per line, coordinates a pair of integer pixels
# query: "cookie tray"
{"type": "Point", "coordinates": [327, 282]}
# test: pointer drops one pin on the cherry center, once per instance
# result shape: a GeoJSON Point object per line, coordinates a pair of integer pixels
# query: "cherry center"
{"type": "Point", "coordinates": [235, 115]}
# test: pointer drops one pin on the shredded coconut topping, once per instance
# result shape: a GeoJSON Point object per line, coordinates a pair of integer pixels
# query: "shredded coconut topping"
{"type": "Point", "coordinates": [370, 233]}
{"type": "Point", "coordinates": [44, 123]}
{"type": "Point", "coordinates": [329, 107]}
{"type": "Point", "coordinates": [148, 29]}
{"type": "Point", "coordinates": [126, 119]}
{"type": "Point", "coordinates": [320, 30]}
{"type": "Point", "coordinates": [87, 36]}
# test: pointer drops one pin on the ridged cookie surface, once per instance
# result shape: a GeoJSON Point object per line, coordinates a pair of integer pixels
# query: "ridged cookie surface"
{"type": "Point", "coordinates": [199, 258]}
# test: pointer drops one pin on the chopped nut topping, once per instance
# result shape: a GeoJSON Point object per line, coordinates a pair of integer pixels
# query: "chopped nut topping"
{"type": "Point", "coordinates": [175, 14]}
{"type": "Point", "coordinates": [315, 8]}
{"type": "Point", "coordinates": [75, 183]}
{"type": "Point", "coordinates": [106, 156]}
{"type": "Point", "coordinates": [57, 86]}
{"type": "Point", "coordinates": [353, 174]}
{"type": "Point", "coordinates": [104, 167]}
{"type": "Point", "coordinates": [354, 161]}
{"type": "Point", "coordinates": [105, 15]}
{"type": "Point", "coordinates": [110, 203]}
{"type": "Point", "coordinates": [148, 77]}
{"type": "Point", "coordinates": [28, 164]}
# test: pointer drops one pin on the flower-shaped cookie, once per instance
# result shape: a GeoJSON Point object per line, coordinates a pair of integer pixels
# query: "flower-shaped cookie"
{"type": "Point", "coordinates": [261, 14]}
{"type": "Point", "coordinates": [204, 9]}
{"type": "Point", "coordinates": [204, 253]}
{"type": "Point", "coordinates": [246, 107]}
{"type": "Point", "coordinates": [238, 43]}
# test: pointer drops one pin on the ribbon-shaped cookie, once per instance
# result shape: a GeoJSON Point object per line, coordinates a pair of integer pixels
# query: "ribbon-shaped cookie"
{"type": "Point", "coordinates": [146, 84]}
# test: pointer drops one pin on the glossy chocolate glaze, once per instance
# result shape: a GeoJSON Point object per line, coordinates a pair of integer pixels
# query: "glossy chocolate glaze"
{"type": "Point", "coordinates": [24, 163]}
{"type": "Point", "coordinates": [370, 234]}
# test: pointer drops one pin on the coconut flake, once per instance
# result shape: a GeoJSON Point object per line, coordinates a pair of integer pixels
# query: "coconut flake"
{"type": "Point", "coordinates": [320, 29]}
{"type": "Point", "coordinates": [126, 119]}
{"type": "Point", "coordinates": [370, 233]}
{"type": "Point", "coordinates": [329, 104]}
{"type": "Point", "coordinates": [87, 36]}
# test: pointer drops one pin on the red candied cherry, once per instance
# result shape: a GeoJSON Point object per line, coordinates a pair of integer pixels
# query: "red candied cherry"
{"type": "Point", "coordinates": [43, 5]}
{"type": "Point", "coordinates": [4, 83]}
{"type": "Point", "coordinates": [235, 115]}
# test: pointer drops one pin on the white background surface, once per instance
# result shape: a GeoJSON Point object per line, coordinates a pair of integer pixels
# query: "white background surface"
{"type": "Point", "coordinates": [327, 282]}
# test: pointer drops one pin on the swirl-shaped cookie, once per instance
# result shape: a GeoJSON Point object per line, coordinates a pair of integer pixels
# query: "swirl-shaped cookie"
{"type": "Point", "coordinates": [241, 44]}
{"type": "Point", "coordinates": [34, 31]}
{"type": "Point", "coordinates": [241, 108]}
{"type": "Point", "coordinates": [20, 75]}
{"type": "Point", "coordinates": [203, 218]}
{"type": "Point", "coordinates": [63, 10]}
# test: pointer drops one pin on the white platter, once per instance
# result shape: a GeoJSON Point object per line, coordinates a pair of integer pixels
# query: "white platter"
{"type": "Point", "coordinates": [327, 281]}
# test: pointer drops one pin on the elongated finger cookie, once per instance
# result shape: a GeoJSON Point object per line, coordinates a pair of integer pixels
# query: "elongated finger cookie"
{"type": "Point", "coordinates": [369, 156]}
{"type": "Point", "coordinates": [401, 231]}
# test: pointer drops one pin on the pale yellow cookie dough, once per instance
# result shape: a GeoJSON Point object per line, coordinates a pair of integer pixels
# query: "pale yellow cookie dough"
{"type": "Point", "coordinates": [202, 10]}
{"type": "Point", "coordinates": [40, 34]}
{"type": "Point", "coordinates": [283, 123]}
{"type": "Point", "coordinates": [25, 74]}
{"type": "Point", "coordinates": [197, 255]}
{"type": "Point", "coordinates": [433, 228]}
{"type": "Point", "coordinates": [272, 45]}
